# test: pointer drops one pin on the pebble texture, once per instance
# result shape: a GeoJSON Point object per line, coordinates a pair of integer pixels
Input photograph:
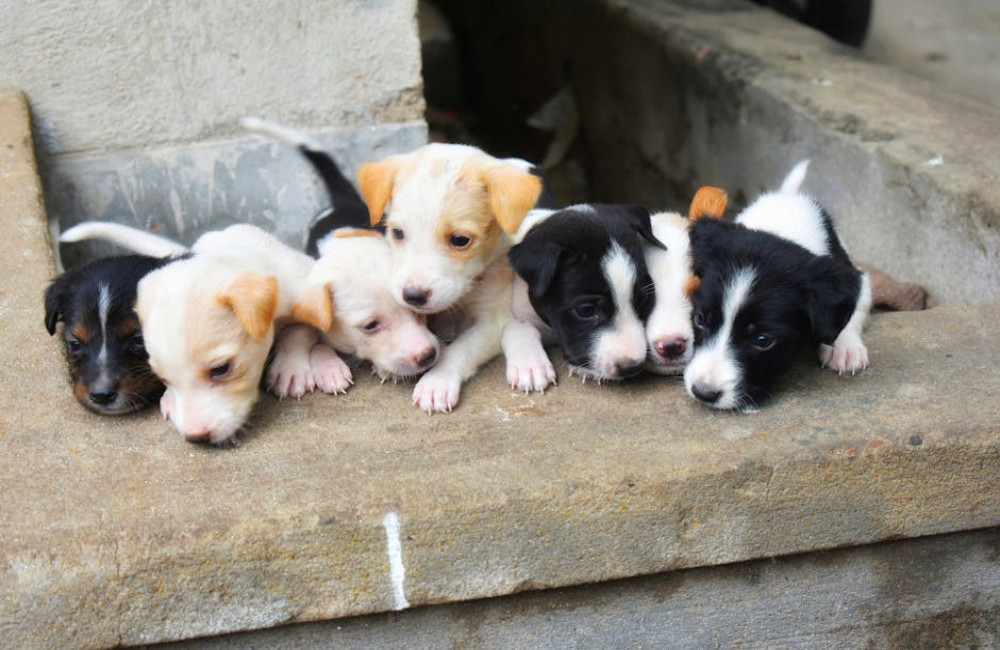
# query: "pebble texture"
{"type": "Point", "coordinates": [125, 534]}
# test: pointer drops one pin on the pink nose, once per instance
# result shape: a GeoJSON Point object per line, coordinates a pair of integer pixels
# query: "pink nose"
{"type": "Point", "coordinates": [670, 347]}
{"type": "Point", "coordinates": [199, 435]}
{"type": "Point", "coordinates": [425, 358]}
{"type": "Point", "coordinates": [416, 296]}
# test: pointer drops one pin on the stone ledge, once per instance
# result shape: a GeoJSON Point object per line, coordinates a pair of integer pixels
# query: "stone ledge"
{"type": "Point", "coordinates": [125, 534]}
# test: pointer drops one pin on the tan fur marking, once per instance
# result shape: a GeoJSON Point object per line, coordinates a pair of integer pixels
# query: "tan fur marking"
{"type": "Point", "coordinates": [513, 194]}
{"type": "Point", "coordinates": [375, 180]}
{"type": "Point", "coordinates": [360, 232]}
{"type": "Point", "coordinates": [81, 334]}
{"type": "Point", "coordinates": [315, 307]}
{"type": "Point", "coordinates": [693, 284]}
{"type": "Point", "coordinates": [128, 327]}
{"type": "Point", "coordinates": [708, 201]}
{"type": "Point", "coordinates": [254, 300]}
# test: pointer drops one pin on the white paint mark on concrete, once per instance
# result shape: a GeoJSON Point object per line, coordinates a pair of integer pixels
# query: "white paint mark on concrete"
{"type": "Point", "coordinates": [396, 571]}
{"type": "Point", "coordinates": [936, 161]}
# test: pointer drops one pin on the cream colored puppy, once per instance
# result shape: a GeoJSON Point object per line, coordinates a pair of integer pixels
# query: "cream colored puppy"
{"type": "Point", "coordinates": [209, 321]}
{"type": "Point", "coordinates": [449, 211]}
{"type": "Point", "coordinates": [348, 298]}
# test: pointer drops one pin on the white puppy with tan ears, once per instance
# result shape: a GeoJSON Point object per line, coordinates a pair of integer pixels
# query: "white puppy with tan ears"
{"type": "Point", "coordinates": [209, 319]}
{"type": "Point", "coordinates": [449, 211]}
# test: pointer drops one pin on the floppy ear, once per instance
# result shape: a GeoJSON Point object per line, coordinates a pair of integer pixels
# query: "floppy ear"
{"type": "Point", "coordinates": [315, 307]}
{"type": "Point", "coordinates": [637, 217]}
{"type": "Point", "coordinates": [708, 201]}
{"type": "Point", "coordinates": [831, 295]}
{"type": "Point", "coordinates": [536, 260]}
{"type": "Point", "coordinates": [54, 297]}
{"type": "Point", "coordinates": [513, 193]}
{"type": "Point", "coordinates": [375, 181]}
{"type": "Point", "coordinates": [254, 300]}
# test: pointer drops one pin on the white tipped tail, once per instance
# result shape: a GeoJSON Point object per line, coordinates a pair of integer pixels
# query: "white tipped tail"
{"type": "Point", "coordinates": [794, 180]}
{"type": "Point", "coordinates": [280, 132]}
{"type": "Point", "coordinates": [133, 239]}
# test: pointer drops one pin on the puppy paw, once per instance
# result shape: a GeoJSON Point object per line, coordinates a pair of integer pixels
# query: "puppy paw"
{"type": "Point", "coordinates": [531, 372]}
{"type": "Point", "coordinates": [332, 375]}
{"type": "Point", "coordinates": [847, 354]}
{"type": "Point", "coordinates": [437, 392]}
{"type": "Point", "coordinates": [290, 375]}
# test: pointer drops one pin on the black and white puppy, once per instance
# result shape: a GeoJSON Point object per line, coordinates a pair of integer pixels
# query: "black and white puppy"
{"type": "Point", "coordinates": [586, 279]}
{"type": "Point", "coordinates": [776, 277]}
{"type": "Point", "coordinates": [107, 360]}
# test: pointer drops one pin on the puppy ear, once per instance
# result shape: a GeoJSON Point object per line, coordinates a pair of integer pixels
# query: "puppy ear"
{"type": "Point", "coordinates": [375, 181]}
{"type": "Point", "coordinates": [54, 297]}
{"type": "Point", "coordinates": [831, 295]}
{"type": "Point", "coordinates": [315, 307]}
{"type": "Point", "coordinates": [536, 261]}
{"type": "Point", "coordinates": [254, 300]}
{"type": "Point", "coordinates": [708, 201]}
{"type": "Point", "coordinates": [637, 217]}
{"type": "Point", "coordinates": [513, 193]}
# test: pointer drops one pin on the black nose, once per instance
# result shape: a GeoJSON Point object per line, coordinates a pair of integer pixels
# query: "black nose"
{"type": "Point", "coordinates": [709, 395]}
{"type": "Point", "coordinates": [416, 297]}
{"type": "Point", "coordinates": [427, 359]}
{"type": "Point", "coordinates": [103, 397]}
{"type": "Point", "coordinates": [630, 369]}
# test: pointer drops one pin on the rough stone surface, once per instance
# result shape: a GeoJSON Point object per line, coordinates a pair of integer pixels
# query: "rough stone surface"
{"type": "Point", "coordinates": [938, 592]}
{"type": "Point", "coordinates": [676, 94]}
{"type": "Point", "coordinates": [110, 75]}
{"type": "Point", "coordinates": [125, 534]}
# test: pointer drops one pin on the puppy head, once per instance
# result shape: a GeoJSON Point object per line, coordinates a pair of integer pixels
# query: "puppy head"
{"type": "Point", "coordinates": [349, 298]}
{"type": "Point", "coordinates": [209, 324]}
{"type": "Point", "coordinates": [449, 211]}
{"type": "Point", "coordinates": [587, 280]}
{"type": "Point", "coordinates": [104, 346]}
{"type": "Point", "coordinates": [759, 297]}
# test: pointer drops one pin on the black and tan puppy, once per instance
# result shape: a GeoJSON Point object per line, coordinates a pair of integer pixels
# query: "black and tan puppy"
{"type": "Point", "coordinates": [104, 349]}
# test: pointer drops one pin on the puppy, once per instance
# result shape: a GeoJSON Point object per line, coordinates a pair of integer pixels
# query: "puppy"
{"type": "Point", "coordinates": [776, 277]}
{"type": "Point", "coordinates": [449, 211]}
{"type": "Point", "coordinates": [669, 333]}
{"type": "Point", "coordinates": [209, 321]}
{"type": "Point", "coordinates": [586, 279]}
{"type": "Point", "coordinates": [107, 359]}
{"type": "Point", "coordinates": [347, 294]}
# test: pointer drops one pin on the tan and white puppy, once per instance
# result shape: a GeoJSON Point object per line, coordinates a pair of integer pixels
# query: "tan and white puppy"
{"type": "Point", "coordinates": [348, 298]}
{"type": "Point", "coordinates": [669, 332]}
{"type": "Point", "coordinates": [449, 211]}
{"type": "Point", "coordinates": [209, 320]}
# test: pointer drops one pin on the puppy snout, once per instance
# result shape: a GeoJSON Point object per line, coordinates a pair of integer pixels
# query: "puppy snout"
{"type": "Point", "coordinates": [707, 394]}
{"type": "Point", "coordinates": [425, 358]}
{"type": "Point", "coordinates": [416, 296]}
{"type": "Point", "coordinates": [201, 434]}
{"type": "Point", "coordinates": [629, 368]}
{"type": "Point", "coordinates": [102, 396]}
{"type": "Point", "coordinates": [670, 347]}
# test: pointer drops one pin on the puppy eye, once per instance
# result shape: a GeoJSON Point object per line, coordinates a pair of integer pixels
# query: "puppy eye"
{"type": "Point", "coordinates": [700, 321]}
{"type": "Point", "coordinates": [372, 327]}
{"type": "Point", "coordinates": [137, 346]}
{"type": "Point", "coordinates": [397, 234]}
{"type": "Point", "coordinates": [74, 346]}
{"type": "Point", "coordinates": [459, 241]}
{"type": "Point", "coordinates": [763, 341]}
{"type": "Point", "coordinates": [586, 311]}
{"type": "Point", "coordinates": [220, 371]}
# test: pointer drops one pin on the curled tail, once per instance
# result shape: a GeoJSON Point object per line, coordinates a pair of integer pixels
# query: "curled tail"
{"type": "Point", "coordinates": [337, 186]}
{"type": "Point", "coordinates": [794, 180]}
{"type": "Point", "coordinates": [133, 239]}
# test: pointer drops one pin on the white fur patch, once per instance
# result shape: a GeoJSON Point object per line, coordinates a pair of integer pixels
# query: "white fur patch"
{"type": "Point", "coordinates": [623, 344]}
{"type": "Point", "coordinates": [670, 319]}
{"type": "Point", "coordinates": [713, 367]}
{"type": "Point", "coordinates": [103, 307]}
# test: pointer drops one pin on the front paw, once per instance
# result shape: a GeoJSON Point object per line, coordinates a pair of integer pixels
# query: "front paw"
{"type": "Point", "coordinates": [847, 354]}
{"type": "Point", "coordinates": [332, 375]}
{"type": "Point", "coordinates": [437, 392]}
{"type": "Point", "coordinates": [532, 372]}
{"type": "Point", "coordinates": [290, 375]}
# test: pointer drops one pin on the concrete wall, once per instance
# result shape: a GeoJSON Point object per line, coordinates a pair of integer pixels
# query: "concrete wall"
{"type": "Point", "coordinates": [136, 104]}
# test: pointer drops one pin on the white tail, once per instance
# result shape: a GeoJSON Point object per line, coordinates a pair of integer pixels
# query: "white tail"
{"type": "Point", "coordinates": [133, 239]}
{"type": "Point", "coordinates": [794, 180]}
{"type": "Point", "coordinates": [280, 132]}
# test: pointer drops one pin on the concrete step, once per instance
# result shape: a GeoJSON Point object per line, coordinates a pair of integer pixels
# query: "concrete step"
{"type": "Point", "coordinates": [124, 534]}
